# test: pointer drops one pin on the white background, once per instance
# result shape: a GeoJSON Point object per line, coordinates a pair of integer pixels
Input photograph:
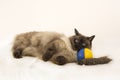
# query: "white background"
{"type": "Point", "coordinates": [99, 17]}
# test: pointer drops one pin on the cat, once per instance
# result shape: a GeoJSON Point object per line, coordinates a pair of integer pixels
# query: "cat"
{"type": "Point", "coordinates": [54, 47]}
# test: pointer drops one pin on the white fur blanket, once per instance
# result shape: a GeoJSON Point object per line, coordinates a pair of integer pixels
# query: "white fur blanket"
{"type": "Point", "coordinates": [29, 68]}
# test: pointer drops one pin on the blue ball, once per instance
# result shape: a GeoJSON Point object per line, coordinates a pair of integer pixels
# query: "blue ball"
{"type": "Point", "coordinates": [80, 55]}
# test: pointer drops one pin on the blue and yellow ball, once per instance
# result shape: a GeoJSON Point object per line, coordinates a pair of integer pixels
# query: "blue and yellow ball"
{"type": "Point", "coordinates": [84, 54]}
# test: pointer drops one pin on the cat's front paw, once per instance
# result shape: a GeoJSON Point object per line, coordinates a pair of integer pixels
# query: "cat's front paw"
{"type": "Point", "coordinates": [49, 53]}
{"type": "Point", "coordinates": [17, 53]}
{"type": "Point", "coordinates": [80, 62]}
{"type": "Point", "coordinates": [47, 56]}
{"type": "Point", "coordinates": [61, 60]}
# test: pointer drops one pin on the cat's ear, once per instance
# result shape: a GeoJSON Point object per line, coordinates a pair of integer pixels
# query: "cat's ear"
{"type": "Point", "coordinates": [76, 32]}
{"type": "Point", "coordinates": [91, 37]}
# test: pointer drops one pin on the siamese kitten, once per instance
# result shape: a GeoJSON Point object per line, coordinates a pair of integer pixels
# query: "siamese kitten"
{"type": "Point", "coordinates": [54, 47]}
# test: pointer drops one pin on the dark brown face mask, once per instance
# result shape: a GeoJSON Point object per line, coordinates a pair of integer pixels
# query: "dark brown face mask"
{"type": "Point", "coordinates": [80, 41]}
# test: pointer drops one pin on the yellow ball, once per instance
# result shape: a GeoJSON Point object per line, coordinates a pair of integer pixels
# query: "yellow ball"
{"type": "Point", "coordinates": [88, 53]}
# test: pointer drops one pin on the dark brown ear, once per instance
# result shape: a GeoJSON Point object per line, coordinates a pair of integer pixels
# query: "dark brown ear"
{"type": "Point", "coordinates": [76, 32]}
{"type": "Point", "coordinates": [91, 38]}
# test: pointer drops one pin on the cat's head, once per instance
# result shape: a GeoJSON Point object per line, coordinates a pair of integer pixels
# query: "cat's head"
{"type": "Point", "coordinates": [80, 41]}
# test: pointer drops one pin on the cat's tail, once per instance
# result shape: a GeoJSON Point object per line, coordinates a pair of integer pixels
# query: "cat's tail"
{"type": "Point", "coordinates": [95, 61]}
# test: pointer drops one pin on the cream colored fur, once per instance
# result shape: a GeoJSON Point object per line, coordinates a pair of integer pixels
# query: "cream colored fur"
{"type": "Point", "coordinates": [36, 43]}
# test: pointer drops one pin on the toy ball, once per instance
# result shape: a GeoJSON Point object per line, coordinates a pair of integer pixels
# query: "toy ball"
{"type": "Point", "coordinates": [84, 54]}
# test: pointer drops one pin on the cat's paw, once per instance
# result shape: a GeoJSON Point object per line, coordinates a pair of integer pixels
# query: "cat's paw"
{"type": "Point", "coordinates": [46, 57]}
{"type": "Point", "coordinates": [17, 53]}
{"type": "Point", "coordinates": [61, 60]}
{"type": "Point", "coordinates": [80, 62]}
{"type": "Point", "coordinates": [50, 52]}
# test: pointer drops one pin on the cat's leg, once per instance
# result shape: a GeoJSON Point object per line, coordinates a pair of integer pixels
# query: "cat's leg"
{"type": "Point", "coordinates": [95, 61]}
{"type": "Point", "coordinates": [56, 57]}
{"type": "Point", "coordinates": [28, 51]}
{"type": "Point", "coordinates": [57, 52]}
{"type": "Point", "coordinates": [17, 51]}
{"type": "Point", "coordinates": [18, 47]}
{"type": "Point", "coordinates": [55, 48]}
{"type": "Point", "coordinates": [31, 51]}
{"type": "Point", "coordinates": [50, 50]}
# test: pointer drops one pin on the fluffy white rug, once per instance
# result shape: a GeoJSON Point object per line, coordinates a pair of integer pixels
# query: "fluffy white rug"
{"type": "Point", "coordinates": [29, 68]}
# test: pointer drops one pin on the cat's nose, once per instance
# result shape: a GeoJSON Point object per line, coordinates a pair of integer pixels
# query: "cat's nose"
{"type": "Point", "coordinates": [81, 40]}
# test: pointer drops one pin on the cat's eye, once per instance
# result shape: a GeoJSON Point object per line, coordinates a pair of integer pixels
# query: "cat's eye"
{"type": "Point", "coordinates": [76, 41]}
